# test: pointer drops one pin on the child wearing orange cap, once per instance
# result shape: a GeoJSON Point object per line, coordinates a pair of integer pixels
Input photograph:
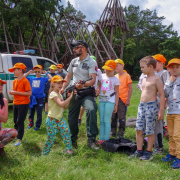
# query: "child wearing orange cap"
{"type": "Point", "coordinates": [108, 99]}
{"type": "Point", "coordinates": [21, 92]}
{"type": "Point", "coordinates": [55, 121]}
{"type": "Point", "coordinates": [172, 91]}
{"type": "Point", "coordinates": [164, 75]}
{"type": "Point", "coordinates": [60, 71]}
{"type": "Point", "coordinates": [6, 135]}
{"type": "Point", "coordinates": [37, 97]}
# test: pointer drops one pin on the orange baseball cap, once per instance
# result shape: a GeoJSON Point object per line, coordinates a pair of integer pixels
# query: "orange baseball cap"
{"type": "Point", "coordinates": [160, 57]}
{"type": "Point", "coordinates": [173, 61]}
{"type": "Point", "coordinates": [3, 82]}
{"type": "Point", "coordinates": [57, 78]}
{"type": "Point", "coordinates": [19, 66]}
{"type": "Point", "coordinates": [59, 65]}
{"type": "Point", "coordinates": [37, 66]}
{"type": "Point", "coordinates": [109, 65]}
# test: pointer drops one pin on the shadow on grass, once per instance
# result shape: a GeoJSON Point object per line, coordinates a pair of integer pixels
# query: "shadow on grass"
{"type": "Point", "coordinates": [8, 162]}
{"type": "Point", "coordinates": [32, 148]}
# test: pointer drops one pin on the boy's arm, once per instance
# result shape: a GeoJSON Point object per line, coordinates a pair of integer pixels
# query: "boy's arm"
{"type": "Point", "coordinates": [160, 89]}
{"type": "Point", "coordinates": [27, 93]}
{"type": "Point", "coordinates": [29, 72]}
{"type": "Point", "coordinates": [129, 94]}
{"type": "Point", "coordinates": [47, 74]}
{"type": "Point", "coordinates": [116, 89]}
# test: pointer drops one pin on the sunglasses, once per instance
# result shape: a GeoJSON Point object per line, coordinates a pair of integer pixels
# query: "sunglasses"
{"type": "Point", "coordinates": [37, 71]}
{"type": "Point", "coordinates": [77, 47]}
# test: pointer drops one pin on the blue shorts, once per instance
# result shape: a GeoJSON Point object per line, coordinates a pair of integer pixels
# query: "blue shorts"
{"type": "Point", "coordinates": [147, 116]}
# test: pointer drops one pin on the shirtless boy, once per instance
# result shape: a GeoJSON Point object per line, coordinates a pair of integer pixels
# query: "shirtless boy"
{"type": "Point", "coordinates": [148, 110]}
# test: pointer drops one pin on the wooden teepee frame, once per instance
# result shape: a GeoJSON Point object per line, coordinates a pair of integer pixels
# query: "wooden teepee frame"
{"type": "Point", "coordinates": [113, 20]}
{"type": "Point", "coordinates": [68, 29]}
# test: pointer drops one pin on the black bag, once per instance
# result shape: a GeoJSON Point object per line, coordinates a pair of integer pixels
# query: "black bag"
{"type": "Point", "coordinates": [87, 92]}
{"type": "Point", "coordinates": [119, 145]}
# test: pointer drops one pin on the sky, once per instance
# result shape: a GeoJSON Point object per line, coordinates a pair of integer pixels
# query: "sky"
{"type": "Point", "coordinates": [167, 8]}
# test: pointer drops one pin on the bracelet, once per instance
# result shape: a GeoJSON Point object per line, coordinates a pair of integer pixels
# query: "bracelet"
{"type": "Point", "coordinates": [47, 73]}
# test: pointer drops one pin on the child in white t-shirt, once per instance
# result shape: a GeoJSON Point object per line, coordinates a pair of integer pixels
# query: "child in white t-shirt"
{"type": "Point", "coordinates": [108, 99]}
{"type": "Point", "coordinates": [55, 121]}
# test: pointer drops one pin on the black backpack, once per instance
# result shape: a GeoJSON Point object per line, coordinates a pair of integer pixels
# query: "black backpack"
{"type": "Point", "coordinates": [119, 145]}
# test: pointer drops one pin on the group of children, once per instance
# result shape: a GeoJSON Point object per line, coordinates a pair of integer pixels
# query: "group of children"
{"type": "Point", "coordinates": [159, 87]}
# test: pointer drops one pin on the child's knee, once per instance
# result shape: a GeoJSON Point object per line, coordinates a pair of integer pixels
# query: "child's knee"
{"type": "Point", "coordinates": [139, 133]}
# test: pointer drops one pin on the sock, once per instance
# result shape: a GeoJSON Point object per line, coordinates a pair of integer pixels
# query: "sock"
{"type": "Point", "coordinates": [148, 151]}
{"type": "Point", "coordinates": [139, 149]}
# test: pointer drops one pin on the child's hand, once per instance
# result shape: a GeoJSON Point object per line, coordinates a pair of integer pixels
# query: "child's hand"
{"type": "Point", "coordinates": [44, 72]}
{"type": "Point", "coordinates": [11, 92]}
{"type": "Point", "coordinates": [31, 71]}
{"type": "Point", "coordinates": [172, 78]}
{"type": "Point", "coordinates": [115, 109]}
{"type": "Point", "coordinates": [160, 115]}
{"type": "Point", "coordinates": [127, 102]}
{"type": "Point", "coordinates": [97, 91]}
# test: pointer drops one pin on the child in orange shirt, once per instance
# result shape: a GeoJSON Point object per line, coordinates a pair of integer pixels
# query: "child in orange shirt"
{"type": "Point", "coordinates": [21, 92]}
{"type": "Point", "coordinates": [125, 92]}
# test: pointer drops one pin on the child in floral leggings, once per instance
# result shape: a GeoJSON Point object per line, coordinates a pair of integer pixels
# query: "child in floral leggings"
{"type": "Point", "coordinates": [55, 121]}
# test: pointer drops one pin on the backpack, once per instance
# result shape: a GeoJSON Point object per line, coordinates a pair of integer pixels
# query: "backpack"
{"type": "Point", "coordinates": [119, 145]}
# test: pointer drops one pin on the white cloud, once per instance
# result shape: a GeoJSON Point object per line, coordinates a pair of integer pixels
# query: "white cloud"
{"type": "Point", "coordinates": [167, 8]}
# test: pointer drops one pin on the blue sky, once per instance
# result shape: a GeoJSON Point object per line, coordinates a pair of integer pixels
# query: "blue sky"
{"type": "Point", "coordinates": [167, 8]}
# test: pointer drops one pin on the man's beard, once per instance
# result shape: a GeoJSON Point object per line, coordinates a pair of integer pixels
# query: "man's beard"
{"type": "Point", "coordinates": [78, 54]}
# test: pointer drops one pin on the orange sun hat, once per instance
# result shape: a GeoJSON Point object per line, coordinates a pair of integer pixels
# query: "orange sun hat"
{"type": "Point", "coordinates": [173, 61]}
{"type": "Point", "coordinates": [160, 57]}
{"type": "Point", "coordinates": [19, 66]}
{"type": "Point", "coordinates": [109, 65]}
{"type": "Point", "coordinates": [59, 65]}
{"type": "Point", "coordinates": [3, 82]}
{"type": "Point", "coordinates": [37, 66]}
{"type": "Point", "coordinates": [57, 78]}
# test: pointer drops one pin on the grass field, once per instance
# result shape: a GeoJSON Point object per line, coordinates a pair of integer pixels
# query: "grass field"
{"type": "Point", "coordinates": [25, 162]}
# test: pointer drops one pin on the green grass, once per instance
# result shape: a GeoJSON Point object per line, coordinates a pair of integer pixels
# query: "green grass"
{"type": "Point", "coordinates": [25, 161]}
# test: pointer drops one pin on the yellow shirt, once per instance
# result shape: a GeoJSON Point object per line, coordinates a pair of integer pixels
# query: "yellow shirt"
{"type": "Point", "coordinates": [54, 110]}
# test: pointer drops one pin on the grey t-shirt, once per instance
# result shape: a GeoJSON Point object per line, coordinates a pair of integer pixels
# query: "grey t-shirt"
{"type": "Point", "coordinates": [82, 69]}
{"type": "Point", "coordinates": [62, 74]}
{"type": "Point", "coordinates": [164, 75]}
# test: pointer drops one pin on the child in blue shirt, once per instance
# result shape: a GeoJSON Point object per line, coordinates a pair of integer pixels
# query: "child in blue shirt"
{"type": "Point", "coordinates": [37, 97]}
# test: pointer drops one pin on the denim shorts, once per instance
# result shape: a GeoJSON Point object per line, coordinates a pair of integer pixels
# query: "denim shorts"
{"type": "Point", "coordinates": [147, 116]}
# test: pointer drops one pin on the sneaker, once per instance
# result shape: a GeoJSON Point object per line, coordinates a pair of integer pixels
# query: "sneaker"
{"type": "Point", "coordinates": [147, 156]}
{"type": "Point", "coordinates": [2, 152]}
{"type": "Point", "coordinates": [176, 164]}
{"type": "Point", "coordinates": [136, 154]}
{"type": "Point", "coordinates": [79, 122]}
{"type": "Point", "coordinates": [158, 151]}
{"type": "Point", "coordinates": [168, 158]}
{"type": "Point", "coordinates": [36, 129]}
{"type": "Point", "coordinates": [91, 144]}
{"type": "Point", "coordinates": [29, 127]}
{"type": "Point", "coordinates": [69, 152]}
{"type": "Point", "coordinates": [18, 142]}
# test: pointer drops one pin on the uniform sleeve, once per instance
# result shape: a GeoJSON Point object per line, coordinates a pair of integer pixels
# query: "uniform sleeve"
{"type": "Point", "coordinates": [52, 95]}
{"type": "Point", "coordinates": [27, 85]}
{"type": "Point", "coordinates": [70, 68]}
{"type": "Point", "coordinates": [93, 68]}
